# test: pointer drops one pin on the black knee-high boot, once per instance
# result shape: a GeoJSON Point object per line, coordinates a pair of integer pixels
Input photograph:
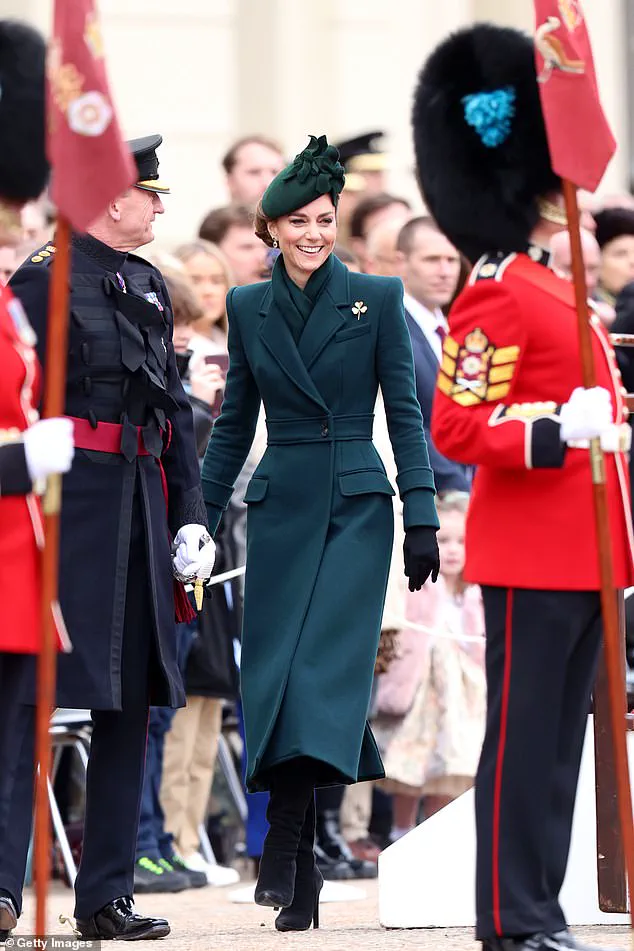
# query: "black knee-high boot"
{"type": "Point", "coordinates": [292, 787]}
{"type": "Point", "coordinates": [308, 882]}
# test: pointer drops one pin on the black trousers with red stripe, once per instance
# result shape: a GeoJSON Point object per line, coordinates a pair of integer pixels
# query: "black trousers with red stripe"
{"type": "Point", "coordinates": [541, 657]}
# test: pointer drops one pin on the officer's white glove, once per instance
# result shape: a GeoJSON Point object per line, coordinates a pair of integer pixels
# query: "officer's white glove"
{"type": "Point", "coordinates": [194, 551]}
{"type": "Point", "coordinates": [49, 447]}
{"type": "Point", "coordinates": [586, 415]}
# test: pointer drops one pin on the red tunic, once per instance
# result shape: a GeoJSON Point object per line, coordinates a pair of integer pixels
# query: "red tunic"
{"type": "Point", "coordinates": [510, 361]}
{"type": "Point", "coordinates": [21, 530]}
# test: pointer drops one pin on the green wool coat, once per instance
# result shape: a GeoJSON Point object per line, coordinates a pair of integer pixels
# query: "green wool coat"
{"type": "Point", "coordinates": [319, 523]}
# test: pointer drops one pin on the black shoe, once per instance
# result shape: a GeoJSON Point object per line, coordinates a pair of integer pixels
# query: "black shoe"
{"type": "Point", "coordinates": [331, 869]}
{"type": "Point", "coordinates": [304, 909]}
{"type": "Point", "coordinates": [119, 920]}
{"type": "Point", "coordinates": [195, 879]}
{"type": "Point", "coordinates": [152, 877]}
{"type": "Point", "coordinates": [8, 916]}
{"type": "Point", "coordinates": [566, 939]}
{"type": "Point", "coordinates": [335, 847]}
{"type": "Point", "coordinates": [559, 941]}
{"type": "Point", "coordinates": [291, 794]}
{"type": "Point", "coordinates": [275, 886]}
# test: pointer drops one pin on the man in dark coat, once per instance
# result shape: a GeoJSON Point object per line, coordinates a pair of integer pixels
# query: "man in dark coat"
{"type": "Point", "coordinates": [430, 271]}
{"type": "Point", "coordinates": [135, 484]}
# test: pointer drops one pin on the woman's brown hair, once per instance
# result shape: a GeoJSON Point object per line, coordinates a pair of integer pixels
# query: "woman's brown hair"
{"type": "Point", "coordinates": [185, 306]}
{"type": "Point", "coordinates": [261, 225]}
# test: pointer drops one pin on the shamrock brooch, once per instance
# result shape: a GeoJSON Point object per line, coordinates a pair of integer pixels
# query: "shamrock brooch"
{"type": "Point", "coordinates": [358, 309]}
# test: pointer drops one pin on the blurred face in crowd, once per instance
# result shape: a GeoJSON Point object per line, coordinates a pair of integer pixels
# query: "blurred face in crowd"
{"type": "Point", "coordinates": [381, 253]}
{"type": "Point", "coordinates": [306, 237]}
{"type": "Point", "coordinates": [374, 181]}
{"type": "Point", "coordinates": [431, 269]}
{"type": "Point", "coordinates": [183, 333]}
{"type": "Point", "coordinates": [134, 213]}
{"type": "Point", "coordinates": [255, 168]}
{"type": "Point", "coordinates": [8, 262]}
{"type": "Point", "coordinates": [34, 229]}
{"type": "Point", "coordinates": [210, 285]}
{"type": "Point", "coordinates": [396, 213]}
{"type": "Point", "coordinates": [451, 544]}
{"type": "Point", "coordinates": [562, 258]}
{"type": "Point", "coordinates": [617, 263]}
{"type": "Point", "coordinates": [245, 253]}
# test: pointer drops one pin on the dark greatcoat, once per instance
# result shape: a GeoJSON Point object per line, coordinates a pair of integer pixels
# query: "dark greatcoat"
{"type": "Point", "coordinates": [121, 369]}
{"type": "Point", "coordinates": [320, 521]}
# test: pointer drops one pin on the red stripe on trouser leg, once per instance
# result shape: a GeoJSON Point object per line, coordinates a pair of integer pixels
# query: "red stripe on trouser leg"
{"type": "Point", "coordinates": [499, 766]}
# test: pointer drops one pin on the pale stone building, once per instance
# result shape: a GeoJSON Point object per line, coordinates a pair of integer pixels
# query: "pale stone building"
{"type": "Point", "coordinates": [204, 72]}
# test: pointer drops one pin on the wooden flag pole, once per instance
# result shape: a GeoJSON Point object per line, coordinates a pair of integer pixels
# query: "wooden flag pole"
{"type": "Point", "coordinates": [611, 628]}
{"type": "Point", "coordinates": [54, 404]}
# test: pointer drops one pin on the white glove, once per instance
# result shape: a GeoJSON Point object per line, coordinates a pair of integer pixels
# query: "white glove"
{"type": "Point", "coordinates": [49, 447]}
{"type": "Point", "coordinates": [193, 551]}
{"type": "Point", "coordinates": [586, 415]}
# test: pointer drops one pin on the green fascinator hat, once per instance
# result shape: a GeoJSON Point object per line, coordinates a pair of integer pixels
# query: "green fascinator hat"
{"type": "Point", "coordinates": [314, 172]}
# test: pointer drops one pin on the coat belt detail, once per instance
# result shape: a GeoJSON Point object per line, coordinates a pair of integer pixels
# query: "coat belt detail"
{"type": "Point", "coordinates": [319, 429]}
{"type": "Point", "coordinates": [106, 437]}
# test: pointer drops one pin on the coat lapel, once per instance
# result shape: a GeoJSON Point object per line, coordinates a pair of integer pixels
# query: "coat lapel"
{"type": "Point", "coordinates": [277, 338]}
{"type": "Point", "coordinates": [327, 316]}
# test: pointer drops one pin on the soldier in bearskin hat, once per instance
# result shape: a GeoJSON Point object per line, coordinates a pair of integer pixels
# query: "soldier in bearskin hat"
{"type": "Point", "coordinates": [511, 402]}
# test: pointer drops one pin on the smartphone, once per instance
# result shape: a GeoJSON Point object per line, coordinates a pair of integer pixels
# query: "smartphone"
{"type": "Point", "coordinates": [182, 363]}
{"type": "Point", "coordinates": [221, 360]}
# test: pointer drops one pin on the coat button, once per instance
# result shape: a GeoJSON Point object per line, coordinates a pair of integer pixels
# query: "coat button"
{"type": "Point", "coordinates": [324, 429]}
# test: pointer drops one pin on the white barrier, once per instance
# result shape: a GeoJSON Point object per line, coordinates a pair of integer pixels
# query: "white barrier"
{"type": "Point", "coordinates": [427, 878]}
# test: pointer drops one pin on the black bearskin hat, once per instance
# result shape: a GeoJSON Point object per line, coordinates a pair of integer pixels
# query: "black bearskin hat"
{"type": "Point", "coordinates": [613, 223]}
{"type": "Point", "coordinates": [23, 165]}
{"type": "Point", "coordinates": [482, 160]}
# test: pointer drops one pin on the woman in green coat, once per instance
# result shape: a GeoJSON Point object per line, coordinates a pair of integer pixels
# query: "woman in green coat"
{"type": "Point", "coordinates": [314, 344]}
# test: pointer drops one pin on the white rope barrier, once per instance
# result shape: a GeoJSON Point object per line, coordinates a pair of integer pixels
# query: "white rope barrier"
{"type": "Point", "coordinates": [439, 635]}
{"type": "Point", "coordinates": [220, 579]}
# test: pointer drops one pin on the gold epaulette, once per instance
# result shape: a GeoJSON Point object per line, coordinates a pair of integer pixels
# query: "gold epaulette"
{"type": "Point", "coordinates": [43, 253]}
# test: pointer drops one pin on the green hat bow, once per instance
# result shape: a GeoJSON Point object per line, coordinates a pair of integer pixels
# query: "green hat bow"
{"type": "Point", "coordinates": [314, 172]}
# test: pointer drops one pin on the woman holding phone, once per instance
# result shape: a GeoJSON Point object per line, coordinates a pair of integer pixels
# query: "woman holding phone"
{"type": "Point", "coordinates": [314, 344]}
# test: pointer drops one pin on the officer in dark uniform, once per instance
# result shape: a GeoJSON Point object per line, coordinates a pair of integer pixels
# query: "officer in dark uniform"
{"type": "Point", "coordinates": [510, 400]}
{"type": "Point", "coordinates": [364, 157]}
{"type": "Point", "coordinates": [134, 486]}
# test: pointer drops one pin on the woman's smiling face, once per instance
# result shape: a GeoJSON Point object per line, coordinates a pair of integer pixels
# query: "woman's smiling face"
{"type": "Point", "coordinates": [306, 237]}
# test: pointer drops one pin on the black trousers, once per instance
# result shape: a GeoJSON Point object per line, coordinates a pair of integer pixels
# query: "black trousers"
{"type": "Point", "coordinates": [13, 667]}
{"type": "Point", "coordinates": [115, 770]}
{"type": "Point", "coordinates": [541, 657]}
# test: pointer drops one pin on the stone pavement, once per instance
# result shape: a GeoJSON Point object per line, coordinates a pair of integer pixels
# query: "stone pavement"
{"type": "Point", "coordinates": [205, 920]}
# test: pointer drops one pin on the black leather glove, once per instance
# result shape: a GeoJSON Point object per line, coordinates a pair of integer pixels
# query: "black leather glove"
{"type": "Point", "coordinates": [422, 557]}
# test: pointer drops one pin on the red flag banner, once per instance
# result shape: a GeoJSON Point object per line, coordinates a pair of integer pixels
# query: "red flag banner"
{"type": "Point", "coordinates": [581, 142]}
{"type": "Point", "coordinates": [91, 163]}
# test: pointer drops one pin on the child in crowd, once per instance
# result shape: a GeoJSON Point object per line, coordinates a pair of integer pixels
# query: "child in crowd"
{"type": "Point", "coordinates": [432, 700]}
